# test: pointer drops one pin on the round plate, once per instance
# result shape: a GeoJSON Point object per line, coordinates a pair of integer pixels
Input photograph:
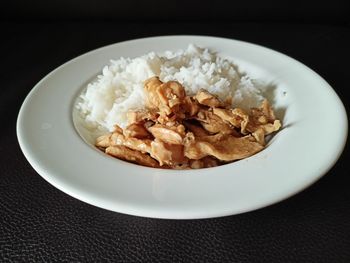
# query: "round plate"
{"type": "Point", "coordinates": [313, 137]}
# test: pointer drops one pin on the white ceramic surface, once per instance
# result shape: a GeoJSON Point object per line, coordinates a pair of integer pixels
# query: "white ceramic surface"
{"type": "Point", "coordinates": [313, 137]}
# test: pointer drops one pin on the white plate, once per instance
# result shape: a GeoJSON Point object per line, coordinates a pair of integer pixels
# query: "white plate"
{"type": "Point", "coordinates": [314, 134]}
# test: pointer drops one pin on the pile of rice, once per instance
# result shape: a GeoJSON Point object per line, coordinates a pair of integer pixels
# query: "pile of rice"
{"type": "Point", "coordinates": [119, 89]}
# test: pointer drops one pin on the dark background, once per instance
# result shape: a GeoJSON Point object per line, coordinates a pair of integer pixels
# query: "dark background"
{"type": "Point", "coordinates": [38, 223]}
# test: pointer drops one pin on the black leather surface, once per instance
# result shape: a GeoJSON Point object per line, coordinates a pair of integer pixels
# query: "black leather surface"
{"type": "Point", "coordinates": [38, 223]}
{"type": "Point", "coordinates": [179, 10]}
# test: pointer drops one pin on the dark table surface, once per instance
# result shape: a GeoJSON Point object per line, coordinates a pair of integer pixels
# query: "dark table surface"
{"type": "Point", "coordinates": [39, 223]}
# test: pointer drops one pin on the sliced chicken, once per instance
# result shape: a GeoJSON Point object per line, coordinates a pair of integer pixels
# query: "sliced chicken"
{"type": "Point", "coordinates": [136, 130]}
{"type": "Point", "coordinates": [190, 106]}
{"type": "Point", "coordinates": [130, 155]}
{"type": "Point", "coordinates": [103, 141]}
{"type": "Point", "coordinates": [141, 115]}
{"type": "Point", "coordinates": [228, 149]}
{"type": "Point", "coordinates": [265, 110]}
{"type": "Point", "coordinates": [171, 118]}
{"type": "Point", "coordinates": [236, 117]}
{"type": "Point", "coordinates": [164, 96]}
{"type": "Point", "coordinates": [214, 137]}
{"type": "Point", "coordinates": [170, 154]}
{"type": "Point", "coordinates": [172, 92]}
{"type": "Point", "coordinates": [151, 87]}
{"type": "Point", "coordinates": [190, 138]}
{"type": "Point", "coordinates": [263, 118]}
{"type": "Point", "coordinates": [256, 123]}
{"type": "Point", "coordinates": [132, 143]}
{"type": "Point", "coordinates": [207, 99]}
{"type": "Point", "coordinates": [197, 130]}
{"type": "Point", "coordinates": [268, 128]}
{"type": "Point", "coordinates": [212, 123]}
{"type": "Point", "coordinates": [259, 136]}
{"type": "Point", "coordinates": [117, 129]}
{"type": "Point", "coordinates": [172, 134]}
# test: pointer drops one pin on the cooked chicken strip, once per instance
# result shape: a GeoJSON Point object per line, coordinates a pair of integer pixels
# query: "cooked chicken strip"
{"type": "Point", "coordinates": [207, 99]}
{"type": "Point", "coordinates": [103, 141]}
{"type": "Point", "coordinates": [132, 143]}
{"type": "Point", "coordinates": [259, 136]}
{"type": "Point", "coordinates": [133, 156]}
{"type": "Point", "coordinates": [172, 135]}
{"type": "Point", "coordinates": [236, 117]}
{"type": "Point", "coordinates": [117, 129]}
{"type": "Point", "coordinates": [253, 122]}
{"type": "Point", "coordinates": [136, 130]}
{"type": "Point", "coordinates": [164, 96]}
{"type": "Point", "coordinates": [171, 154]}
{"type": "Point", "coordinates": [141, 115]}
{"type": "Point", "coordinates": [214, 138]}
{"type": "Point", "coordinates": [263, 118]}
{"type": "Point", "coordinates": [212, 123]}
{"type": "Point", "coordinates": [190, 106]}
{"type": "Point", "coordinates": [197, 130]}
{"type": "Point", "coordinates": [151, 86]}
{"type": "Point", "coordinates": [172, 92]}
{"type": "Point", "coordinates": [228, 149]}
{"type": "Point", "coordinates": [268, 128]}
{"type": "Point", "coordinates": [264, 110]}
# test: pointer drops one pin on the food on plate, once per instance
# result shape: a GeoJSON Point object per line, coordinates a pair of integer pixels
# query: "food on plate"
{"type": "Point", "coordinates": [120, 88]}
{"type": "Point", "coordinates": [186, 109]}
{"type": "Point", "coordinates": [179, 131]}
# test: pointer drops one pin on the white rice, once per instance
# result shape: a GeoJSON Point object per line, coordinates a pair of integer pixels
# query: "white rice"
{"type": "Point", "coordinates": [120, 87]}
